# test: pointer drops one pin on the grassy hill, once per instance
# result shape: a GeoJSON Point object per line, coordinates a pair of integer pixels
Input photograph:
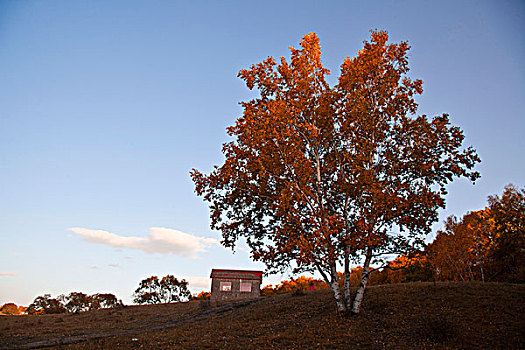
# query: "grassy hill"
{"type": "Point", "coordinates": [402, 316]}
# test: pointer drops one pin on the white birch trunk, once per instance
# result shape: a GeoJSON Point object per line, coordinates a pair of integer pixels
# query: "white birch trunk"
{"type": "Point", "coordinates": [339, 299]}
{"type": "Point", "coordinates": [334, 286]}
{"type": "Point", "coordinates": [356, 306]}
{"type": "Point", "coordinates": [347, 294]}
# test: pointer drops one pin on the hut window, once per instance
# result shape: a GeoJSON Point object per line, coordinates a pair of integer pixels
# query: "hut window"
{"type": "Point", "coordinates": [246, 287]}
{"type": "Point", "coordinates": [226, 286]}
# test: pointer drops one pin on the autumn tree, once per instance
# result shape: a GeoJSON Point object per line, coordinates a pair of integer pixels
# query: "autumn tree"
{"type": "Point", "coordinates": [166, 290]}
{"type": "Point", "coordinates": [10, 309]}
{"type": "Point", "coordinates": [318, 177]}
{"type": "Point", "coordinates": [507, 218]}
{"type": "Point", "coordinates": [460, 251]}
{"type": "Point", "coordinates": [484, 245]}
{"type": "Point", "coordinates": [201, 296]}
{"type": "Point", "coordinates": [403, 269]}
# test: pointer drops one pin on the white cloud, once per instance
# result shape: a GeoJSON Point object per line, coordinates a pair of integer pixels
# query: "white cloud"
{"type": "Point", "coordinates": [198, 282]}
{"type": "Point", "coordinates": [159, 240]}
{"type": "Point", "coordinates": [8, 274]}
{"type": "Point", "coordinates": [94, 267]}
{"type": "Point", "coordinates": [113, 265]}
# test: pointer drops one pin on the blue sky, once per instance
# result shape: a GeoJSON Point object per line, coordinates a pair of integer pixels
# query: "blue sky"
{"type": "Point", "coordinates": [105, 107]}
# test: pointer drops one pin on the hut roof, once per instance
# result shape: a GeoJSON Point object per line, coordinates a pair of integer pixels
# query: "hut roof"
{"type": "Point", "coordinates": [240, 274]}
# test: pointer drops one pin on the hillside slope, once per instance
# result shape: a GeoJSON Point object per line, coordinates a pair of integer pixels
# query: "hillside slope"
{"type": "Point", "coordinates": [416, 315]}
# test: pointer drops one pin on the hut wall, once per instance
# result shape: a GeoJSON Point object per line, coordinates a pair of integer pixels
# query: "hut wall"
{"type": "Point", "coordinates": [235, 289]}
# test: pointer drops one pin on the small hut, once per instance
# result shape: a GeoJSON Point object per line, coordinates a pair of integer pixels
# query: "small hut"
{"type": "Point", "coordinates": [235, 284]}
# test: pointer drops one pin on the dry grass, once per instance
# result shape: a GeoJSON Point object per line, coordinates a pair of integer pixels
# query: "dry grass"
{"type": "Point", "coordinates": [403, 316]}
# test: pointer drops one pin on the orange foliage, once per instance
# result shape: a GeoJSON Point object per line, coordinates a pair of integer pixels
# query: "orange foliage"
{"type": "Point", "coordinates": [302, 284]}
{"type": "Point", "coordinates": [484, 245]}
{"type": "Point", "coordinates": [507, 218]}
{"type": "Point", "coordinates": [201, 296]}
{"type": "Point", "coordinates": [406, 269]}
{"type": "Point", "coordinates": [318, 176]}
{"type": "Point", "coordinates": [10, 309]}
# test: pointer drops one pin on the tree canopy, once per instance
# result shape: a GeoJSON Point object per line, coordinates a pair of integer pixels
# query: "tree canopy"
{"type": "Point", "coordinates": [153, 290]}
{"type": "Point", "coordinates": [319, 176]}
{"type": "Point", "coordinates": [45, 304]}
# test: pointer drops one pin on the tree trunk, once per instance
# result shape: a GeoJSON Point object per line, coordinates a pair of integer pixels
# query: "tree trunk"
{"type": "Point", "coordinates": [471, 273]}
{"type": "Point", "coordinates": [347, 294]}
{"type": "Point", "coordinates": [356, 305]}
{"type": "Point", "coordinates": [334, 285]}
{"type": "Point", "coordinates": [342, 307]}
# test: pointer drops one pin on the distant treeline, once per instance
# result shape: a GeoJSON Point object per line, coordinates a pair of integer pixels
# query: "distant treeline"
{"type": "Point", "coordinates": [74, 302]}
